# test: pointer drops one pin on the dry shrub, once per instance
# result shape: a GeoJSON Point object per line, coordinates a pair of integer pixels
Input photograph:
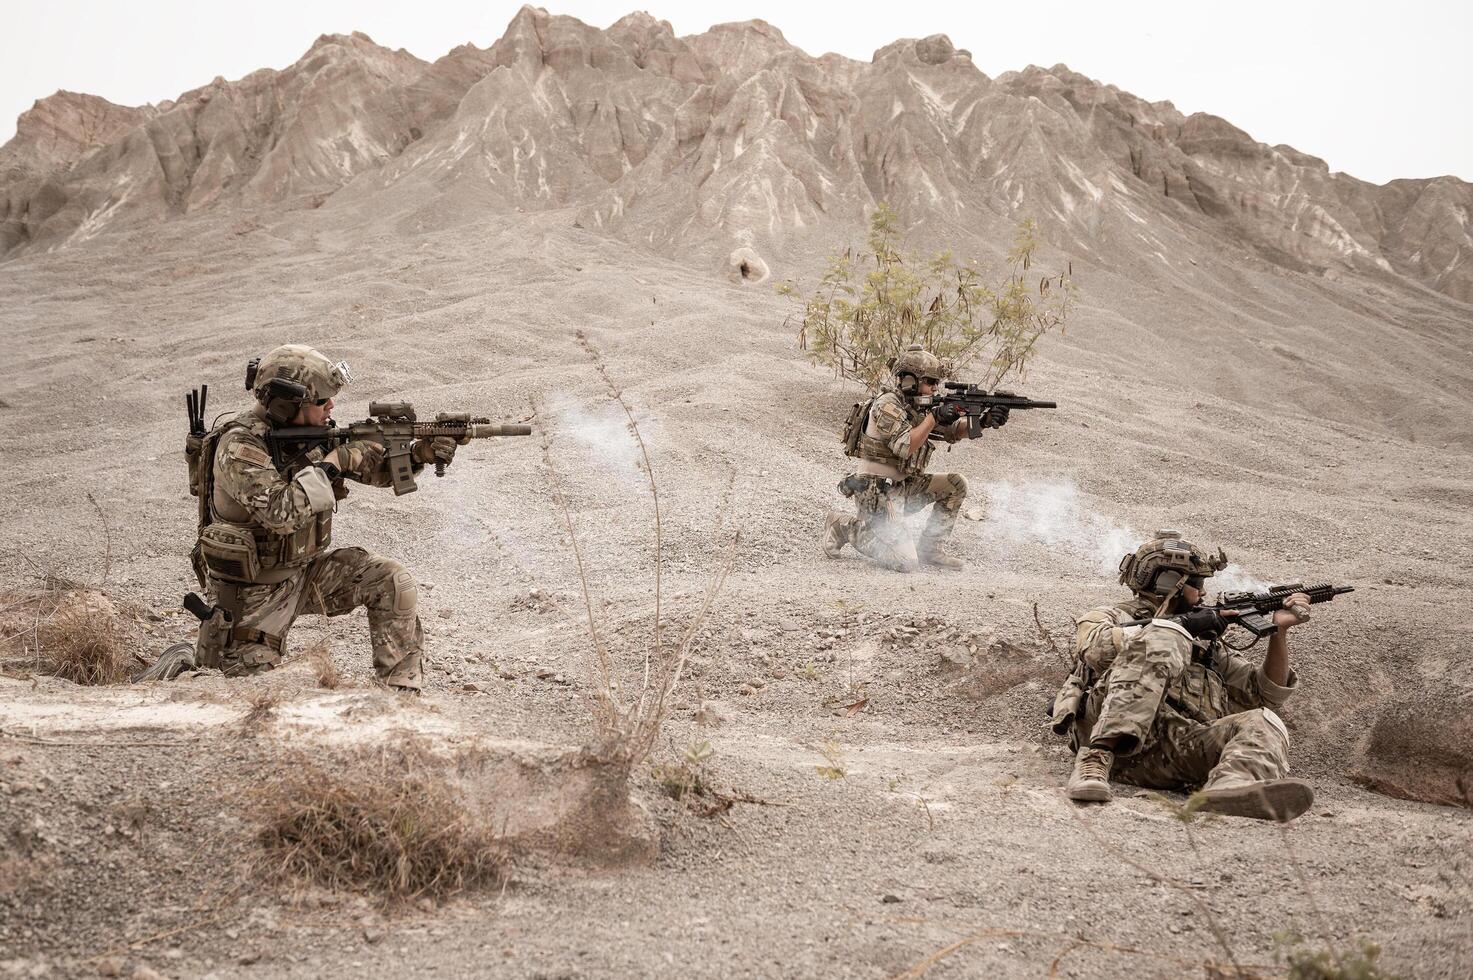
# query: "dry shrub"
{"type": "Point", "coordinates": [320, 657]}
{"type": "Point", "coordinates": [626, 726]}
{"type": "Point", "coordinates": [386, 821]}
{"type": "Point", "coordinates": [870, 306]}
{"type": "Point", "coordinates": [67, 630]}
{"type": "Point", "coordinates": [261, 709]}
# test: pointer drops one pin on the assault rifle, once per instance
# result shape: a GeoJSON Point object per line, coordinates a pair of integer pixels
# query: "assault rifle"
{"type": "Point", "coordinates": [973, 402]}
{"type": "Point", "coordinates": [394, 427]}
{"type": "Point", "coordinates": [1254, 611]}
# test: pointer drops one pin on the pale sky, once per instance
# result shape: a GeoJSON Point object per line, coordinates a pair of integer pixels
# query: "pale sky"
{"type": "Point", "coordinates": [1378, 90]}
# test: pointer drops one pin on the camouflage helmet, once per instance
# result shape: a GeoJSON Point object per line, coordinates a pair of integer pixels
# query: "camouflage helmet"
{"type": "Point", "coordinates": [1167, 552]}
{"type": "Point", "coordinates": [305, 366]}
{"type": "Point", "coordinates": [919, 363]}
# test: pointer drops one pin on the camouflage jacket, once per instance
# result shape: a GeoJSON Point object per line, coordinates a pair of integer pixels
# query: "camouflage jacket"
{"type": "Point", "coordinates": [289, 509]}
{"type": "Point", "coordinates": [1216, 681]}
{"type": "Point", "coordinates": [885, 442]}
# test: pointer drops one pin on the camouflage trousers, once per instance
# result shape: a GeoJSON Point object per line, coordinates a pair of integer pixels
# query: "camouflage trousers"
{"type": "Point", "coordinates": [1135, 684]}
{"type": "Point", "coordinates": [1160, 747]}
{"type": "Point", "coordinates": [878, 528]}
{"type": "Point", "coordinates": [1184, 754]}
{"type": "Point", "coordinates": [334, 584]}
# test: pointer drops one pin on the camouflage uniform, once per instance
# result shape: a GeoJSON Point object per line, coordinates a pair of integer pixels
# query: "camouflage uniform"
{"type": "Point", "coordinates": [896, 485]}
{"type": "Point", "coordinates": [1184, 712]}
{"type": "Point", "coordinates": [265, 529]}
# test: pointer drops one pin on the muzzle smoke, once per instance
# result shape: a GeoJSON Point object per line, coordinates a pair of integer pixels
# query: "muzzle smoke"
{"type": "Point", "coordinates": [1052, 516]}
{"type": "Point", "coordinates": [603, 436]}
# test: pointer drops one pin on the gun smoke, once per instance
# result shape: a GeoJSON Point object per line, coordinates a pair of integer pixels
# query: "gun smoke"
{"type": "Point", "coordinates": [604, 436]}
{"type": "Point", "coordinates": [1053, 516]}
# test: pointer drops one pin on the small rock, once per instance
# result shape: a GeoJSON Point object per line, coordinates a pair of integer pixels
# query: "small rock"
{"type": "Point", "coordinates": [472, 688]}
{"type": "Point", "coordinates": [446, 613]}
{"type": "Point", "coordinates": [246, 959]}
{"type": "Point", "coordinates": [889, 899]}
{"type": "Point", "coordinates": [110, 966]}
{"type": "Point", "coordinates": [143, 972]}
{"type": "Point", "coordinates": [372, 935]}
{"type": "Point", "coordinates": [544, 674]}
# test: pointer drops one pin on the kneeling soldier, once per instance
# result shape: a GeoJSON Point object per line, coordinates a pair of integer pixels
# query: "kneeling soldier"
{"type": "Point", "coordinates": [1165, 704]}
{"type": "Point", "coordinates": [266, 522]}
{"type": "Point", "coordinates": [893, 438]}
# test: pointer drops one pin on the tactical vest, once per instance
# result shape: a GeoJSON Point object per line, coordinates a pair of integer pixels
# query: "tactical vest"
{"type": "Point", "coordinates": [233, 546]}
{"type": "Point", "coordinates": [1198, 692]}
{"type": "Point", "coordinates": [869, 446]}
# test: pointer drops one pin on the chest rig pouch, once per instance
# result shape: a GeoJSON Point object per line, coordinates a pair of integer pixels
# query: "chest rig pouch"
{"type": "Point", "coordinates": [876, 449]}
{"type": "Point", "coordinates": [229, 552]}
{"type": "Point", "coordinates": [1198, 692]}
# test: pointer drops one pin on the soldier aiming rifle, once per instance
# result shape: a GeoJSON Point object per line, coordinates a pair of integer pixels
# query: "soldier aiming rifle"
{"type": "Point", "coordinates": [1158, 698]}
{"type": "Point", "coordinates": [268, 481]}
{"type": "Point", "coordinates": [893, 436]}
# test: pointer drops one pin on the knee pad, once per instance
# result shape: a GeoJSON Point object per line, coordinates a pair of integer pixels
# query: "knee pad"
{"type": "Point", "coordinates": [956, 491]}
{"type": "Point", "coordinates": [404, 592]}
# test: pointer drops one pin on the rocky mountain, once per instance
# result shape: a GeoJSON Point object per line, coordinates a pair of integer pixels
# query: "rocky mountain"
{"type": "Point", "coordinates": [696, 145]}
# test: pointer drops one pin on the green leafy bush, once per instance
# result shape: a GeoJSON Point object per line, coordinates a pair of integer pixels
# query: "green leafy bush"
{"type": "Point", "coordinates": [868, 308]}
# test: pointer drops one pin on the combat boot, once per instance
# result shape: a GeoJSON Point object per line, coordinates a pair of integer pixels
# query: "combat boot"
{"type": "Point", "coordinates": [835, 535]}
{"type": "Point", "coordinates": [1090, 782]}
{"type": "Point", "coordinates": [933, 553]}
{"type": "Point", "coordinates": [1265, 799]}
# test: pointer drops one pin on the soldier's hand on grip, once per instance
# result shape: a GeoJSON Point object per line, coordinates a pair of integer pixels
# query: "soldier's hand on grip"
{"type": "Point", "coordinates": [1202, 622]}
{"type": "Point", "coordinates": [1295, 611]}
{"type": "Point", "coordinates": [945, 415]}
{"type": "Point", "coordinates": [359, 456]}
{"type": "Point", "coordinates": [440, 449]}
{"type": "Point", "coordinates": [995, 417]}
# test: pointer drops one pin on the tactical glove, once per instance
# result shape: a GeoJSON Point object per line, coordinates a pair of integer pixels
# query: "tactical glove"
{"type": "Point", "coordinates": [945, 415]}
{"type": "Point", "coordinates": [1202, 622]}
{"type": "Point", "coordinates": [359, 457]}
{"type": "Point", "coordinates": [995, 417]}
{"type": "Point", "coordinates": [440, 449]}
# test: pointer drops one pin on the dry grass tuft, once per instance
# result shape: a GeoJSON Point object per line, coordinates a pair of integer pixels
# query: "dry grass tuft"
{"type": "Point", "coordinates": [385, 822]}
{"type": "Point", "coordinates": [67, 630]}
{"type": "Point", "coordinates": [320, 657]}
{"type": "Point", "coordinates": [261, 710]}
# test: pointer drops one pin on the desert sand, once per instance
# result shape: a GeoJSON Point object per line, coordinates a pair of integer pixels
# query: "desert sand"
{"type": "Point", "coordinates": [1235, 367]}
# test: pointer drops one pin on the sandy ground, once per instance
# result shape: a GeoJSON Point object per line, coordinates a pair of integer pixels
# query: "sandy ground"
{"type": "Point", "coordinates": [946, 846]}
